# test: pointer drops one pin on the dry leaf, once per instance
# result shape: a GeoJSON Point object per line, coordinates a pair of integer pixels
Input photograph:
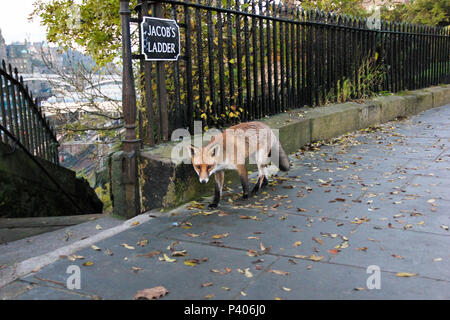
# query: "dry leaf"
{"type": "Point", "coordinates": [149, 255]}
{"type": "Point", "coordinates": [181, 253]}
{"type": "Point", "coordinates": [88, 264]}
{"type": "Point", "coordinates": [150, 294]}
{"type": "Point", "coordinates": [297, 243]}
{"type": "Point", "coordinates": [142, 243]}
{"type": "Point", "coordinates": [136, 269]}
{"type": "Point", "coordinates": [191, 262]}
{"type": "Point", "coordinates": [318, 240]}
{"type": "Point", "coordinates": [166, 258]}
{"type": "Point", "coordinates": [406, 274]}
{"type": "Point", "coordinates": [127, 246]}
{"type": "Point", "coordinates": [207, 284]}
{"type": "Point", "coordinates": [220, 236]}
{"type": "Point", "coordinates": [313, 257]}
{"type": "Point", "coordinates": [192, 235]}
{"type": "Point", "coordinates": [96, 248]}
{"type": "Point", "coordinates": [280, 272]}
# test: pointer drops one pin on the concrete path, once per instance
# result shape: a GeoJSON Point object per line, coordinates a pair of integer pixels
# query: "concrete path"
{"type": "Point", "coordinates": [378, 199]}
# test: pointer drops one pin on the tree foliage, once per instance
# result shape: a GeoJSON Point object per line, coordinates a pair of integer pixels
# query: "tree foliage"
{"type": "Point", "coordinates": [428, 12]}
{"type": "Point", "coordinates": [92, 25]}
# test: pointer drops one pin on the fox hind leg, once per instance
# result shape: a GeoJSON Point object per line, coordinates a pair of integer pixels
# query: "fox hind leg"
{"type": "Point", "coordinates": [242, 171]}
{"type": "Point", "coordinates": [262, 178]}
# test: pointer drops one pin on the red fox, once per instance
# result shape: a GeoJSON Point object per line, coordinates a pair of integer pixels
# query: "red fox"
{"type": "Point", "coordinates": [228, 150]}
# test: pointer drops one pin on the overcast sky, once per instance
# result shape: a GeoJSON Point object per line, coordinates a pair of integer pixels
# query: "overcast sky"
{"type": "Point", "coordinates": [14, 21]}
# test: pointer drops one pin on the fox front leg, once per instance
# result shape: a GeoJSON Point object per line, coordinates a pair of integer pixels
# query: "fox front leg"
{"type": "Point", "coordinates": [242, 170]}
{"type": "Point", "coordinates": [218, 177]}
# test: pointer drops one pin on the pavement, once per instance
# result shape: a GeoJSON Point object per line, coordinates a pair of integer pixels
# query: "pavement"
{"type": "Point", "coordinates": [364, 216]}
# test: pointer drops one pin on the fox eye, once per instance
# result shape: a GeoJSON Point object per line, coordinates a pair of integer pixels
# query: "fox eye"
{"type": "Point", "coordinates": [209, 167]}
{"type": "Point", "coordinates": [197, 167]}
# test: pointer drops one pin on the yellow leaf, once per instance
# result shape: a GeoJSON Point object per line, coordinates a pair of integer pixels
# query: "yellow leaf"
{"type": "Point", "coordinates": [127, 246]}
{"type": "Point", "coordinates": [95, 248]}
{"type": "Point", "coordinates": [315, 258]}
{"type": "Point", "coordinates": [88, 263]}
{"type": "Point", "coordinates": [220, 236]}
{"type": "Point", "coordinates": [406, 274]}
{"type": "Point", "coordinates": [190, 263]}
{"type": "Point", "coordinates": [297, 243]}
{"type": "Point", "coordinates": [167, 259]}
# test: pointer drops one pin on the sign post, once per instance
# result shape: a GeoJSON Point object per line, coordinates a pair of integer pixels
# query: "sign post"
{"type": "Point", "coordinates": [160, 39]}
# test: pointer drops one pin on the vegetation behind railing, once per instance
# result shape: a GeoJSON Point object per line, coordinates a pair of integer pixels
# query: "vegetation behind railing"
{"type": "Point", "coordinates": [243, 60]}
{"type": "Point", "coordinates": [21, 118]}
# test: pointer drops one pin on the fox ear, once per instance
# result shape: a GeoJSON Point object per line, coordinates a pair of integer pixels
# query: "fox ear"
{"type": "Point", "coordinates": [214, 150]}
{"type": "Point", "coordinates": [192, 150]}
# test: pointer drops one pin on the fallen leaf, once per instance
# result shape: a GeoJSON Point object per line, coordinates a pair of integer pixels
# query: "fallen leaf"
{"type": "Point", "coordinates": [150, 294]}
{"type": "Point", "coordinates": [333, 251]}
{"type": "Point", "coordinates": [88, 264]}
{"type": "Point", "coordinates": [127, 246]}
{"type": "Point", "coordinates": [149, 255]}
{"type": "Point", "coordinates": [191, 262]}
{"type": "Point", "coordinates": [96, 248]}
{"type": "Point", "coordinates": [220, 236]}
{"type": "Point", "coordinates": [437, 259]}
{"type": "Point", "coordinates": [166, 258]}
{"type": "Point", "coordinates": [286, 289]}
{"type": "Point", "coordinates": [98, 227]}
{"type": "Point", "coordinates": [209, 296]}
{"type": "Point", "coordinates": [444, 227]}
{"type": "Point", "coordinates": [280, 272]}
{"type": "Point", "coordinates": [192, 235]}
{"type": "Point", "coordinates": [142, 243]}
{"type": "Point", "coordinates": [313, 257]}
{"type": "Point", "coordinates": [318, 240]}
{"type": "Point", "coordinates": [181, 253]}
{"type": "Point", "coordinates": [301, 210]}
{"type": "Point", "coordinates": [406, 274]}
{"type": "Point", "coordinates": [206, 284]}
{"type": "Point", "coordinates": [135, 223]}
{"type": "Point", "coordinates": [136, 269]}
{"type": "Point", "coordinates": [297, 243]}
{"type": "Point", "coordinates": [397, 256]}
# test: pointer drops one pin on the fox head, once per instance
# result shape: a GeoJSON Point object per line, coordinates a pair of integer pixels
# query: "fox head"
{"type": "Point", "coordinates": [204, 160]}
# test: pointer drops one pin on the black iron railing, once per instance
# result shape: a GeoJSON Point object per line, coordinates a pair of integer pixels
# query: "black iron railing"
{"type": "Point", "coordinates": [22, 119]}
{"type": "Point", "coordinates": [243, 60]}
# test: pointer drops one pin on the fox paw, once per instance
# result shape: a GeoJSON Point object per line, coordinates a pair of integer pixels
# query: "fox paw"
{"type": "Point", "coordinates": [213, 205]}
{"type": "Point", "coordinates": [244, 197]}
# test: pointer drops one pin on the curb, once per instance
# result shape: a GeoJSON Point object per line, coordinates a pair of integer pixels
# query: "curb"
{"type": "Point", "coordinates": [23, 268]}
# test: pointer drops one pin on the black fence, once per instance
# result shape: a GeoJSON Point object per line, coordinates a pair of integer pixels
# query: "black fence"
{"type": "Point", "coordinates": [243, 60]}
{"type": "Point", "coordinates": [21, 119]}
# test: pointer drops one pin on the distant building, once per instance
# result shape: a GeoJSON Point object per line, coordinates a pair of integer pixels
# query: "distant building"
{"type": "Point", "coordinates": [19, 57]}
{"type": "Point", "coordinates": [372, 4]}
{"type": "Point", "coordinates": [2, 47]}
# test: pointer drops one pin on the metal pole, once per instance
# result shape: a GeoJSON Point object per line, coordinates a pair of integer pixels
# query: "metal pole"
{"type": "Point", "coordinates": [130, 144]}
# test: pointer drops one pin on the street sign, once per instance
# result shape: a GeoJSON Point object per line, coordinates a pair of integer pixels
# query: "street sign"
{"type": "Point", "coordinates": [160, 39]}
